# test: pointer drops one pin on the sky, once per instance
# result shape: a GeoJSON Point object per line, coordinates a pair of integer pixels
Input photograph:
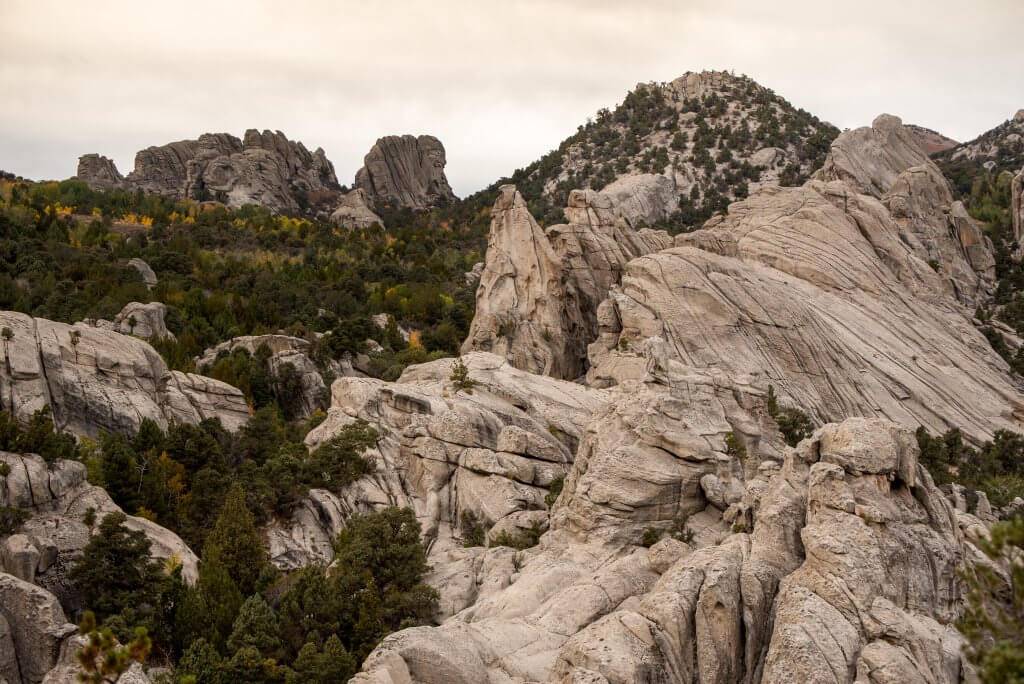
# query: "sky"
{"type": "Point", "coordinates": [500, 83]}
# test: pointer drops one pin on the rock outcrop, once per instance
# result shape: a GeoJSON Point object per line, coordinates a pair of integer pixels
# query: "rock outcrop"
{"type": "Point", "coordinates": [354, 211]}
{"type": "Point", "coordinates": [931, 141]}
{"type": "Point", "coordinates": [94, 379]}
{"type": "Point", "coordinates": [644, 198]}
{"type": "Point", "coordinates": [33, 627]}
{"type": "Point", "coordinates": [539, 291]}
{"type": "Point", "coordinates": [491, 453]}
{"type": "Point", "coordinates": [99, 172]}
{"type": "Point", "coordinates": [264, 168]}
{"type": "Point", "coordinates": [145, 272]}
{"type": "Point", "coordinates": [405, 171]}
{"type": "Point", "coordinates": [58, 498]}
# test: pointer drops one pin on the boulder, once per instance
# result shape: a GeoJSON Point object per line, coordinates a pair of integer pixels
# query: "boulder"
{"type": "Point", "coordinates": [405, 171]}
{"type": "Point", "coordinates": [354, 211]}
{"type": "Point", "coordinates": [145, 272]}
{"type": "Point", "coordinates": [19, 557]}
{"type": "Point", "coordinates": [644, 198]}
{"type": "Point", "coordinates": [143, 320]}
{"type": "Point", "coordinates": [36, 625]}
{"type": "Point", "coordinates": [94, 379]}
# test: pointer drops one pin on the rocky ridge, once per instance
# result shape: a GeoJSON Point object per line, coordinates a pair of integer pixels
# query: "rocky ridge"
{"type": "Point", "coordinates": [264, 168]}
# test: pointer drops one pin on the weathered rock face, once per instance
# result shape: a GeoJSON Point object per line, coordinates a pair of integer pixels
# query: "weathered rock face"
{"type": "Point", "coordinates": [99, 172]}
{"type": "Point", "coordinates": [58, 499]}
{"type": "Point", "coordinates": [445, 452]}
{"type": "Point", "coordinates": [354, 211]}
{"type": "Point", "coordinates": [644, 198]}
{"type": "Point", "coordinates": [32, 621]}
{"type": "Point", "coordinates": [264, 168]}
{"type": "Point", "coordinates": [885, 162]}
{"type": "Point", "coordinates": [728, 607]}
{"type": "Point", "coordinates": [931, 141]}
{"type": "Point", "coordinates": [539, 291]}
{"type": "Point", "coordinates": [94, 379]}
{"type": "Point", "coordinates": [145, 272]}
{"type": "Point", "coordinates": [405, 172]}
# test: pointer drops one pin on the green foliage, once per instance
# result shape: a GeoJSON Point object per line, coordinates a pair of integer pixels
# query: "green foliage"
{"type": "Point", "coordinates": [256, 627]}
{"type": "Point", "coordinates": [651, 536]}
{"type": "Point", "coordinates": [524, 539]}
{"type": "Point", "coordinates": [11, 519]}
{"type": "Point", "coordinates": [554, 489]}
{"type": "Point", "coordinates": [102, 660]}
{"type": "Point", "coordinates": [328, 665]}
{"type": "Point", "coordinates": [38, 436]}
{"type": "Point", "coordinates": [339, 462]}
{"type": "Point", "coordinates": [473, 531]}
{"type": "Point", "coordinates": [460, 379]}
{"type": "Point", "coordinates": [733, 445]}
{"type": "Point", "coordinates": [236, 543]}
{"type": "Point", "coordinates": [793, 423]}
{"type": "Point", "coordinates": [997, 468]}
{"type": "Point", "coordinates": [994, 620]}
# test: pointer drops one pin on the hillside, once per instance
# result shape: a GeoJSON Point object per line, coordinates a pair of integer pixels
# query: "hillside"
{"type": "Point", "coordinates": [689, 147]}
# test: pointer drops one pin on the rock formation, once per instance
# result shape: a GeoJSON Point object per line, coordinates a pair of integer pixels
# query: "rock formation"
{"type": "Point", "coordinates": [263, 168]}
{"type": "Point", "coordinates": [539, 291]}
{"type": "Point", "coordinates": [644, 198]}
{"type": "Point", "coordinates": [931, 141]}
{"type": "Point", "coordinates": [145, 272]}
{"type": "Point", "coordinates": [405, 172]}
{"type": "Point", "coordinates": [94, 379]}
{"type": "Point", "coordinates": [135, 318]}
{"type": "Point", "coordinates": [823, 292]}
{"type": "Point", "coordinates": [354, 211]}
{"type": "Point", "coordinates": [99, 172]}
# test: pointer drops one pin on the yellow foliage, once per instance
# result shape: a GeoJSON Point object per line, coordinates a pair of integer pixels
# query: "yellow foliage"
{"type": "Point", "coordinates": [97, 212]}
{"type": "Point", "coordinates": [137, 219]}
{"type": "Point", "coordinates": [414, 339]}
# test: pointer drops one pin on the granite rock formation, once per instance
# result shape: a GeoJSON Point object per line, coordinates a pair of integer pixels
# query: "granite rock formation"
{"type": "Point", "coordinates": [264, 168]}
{"type": "Point", "coordinates": [354, 211]}
{"type": "Point", "coordinates": [99, 172]}
{"type": "Point", "coordinates": [94, 379]}
{"type": "Point", "coordinates": [405, 171]}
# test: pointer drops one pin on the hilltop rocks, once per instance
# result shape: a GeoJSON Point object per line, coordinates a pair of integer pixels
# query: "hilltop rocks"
{"type": "Point", "coordinates": [354, 211]}
{"type": "Point", "coordinates": [405, 172]}
{"type": "Point", "coordinates": [539, 291]}
{"type": "Point", "coordinates": [99, 172]}
{"type": "Point", "coordinates": [264, 168]}
{"type": "Point", "coordinates": [95, 380]}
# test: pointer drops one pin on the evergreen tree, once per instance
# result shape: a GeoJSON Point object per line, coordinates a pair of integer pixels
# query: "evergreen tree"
{"type": "Point", "coordinates": [257, 627]}
{"type": "Point", "coordinates": [237, 542]}
{"type": "Point", "coordinates": [210, 608]}
{"type": "Point", "coordinates": [327, 666]}
{"type": "Point", "coordinates": [201, 663]}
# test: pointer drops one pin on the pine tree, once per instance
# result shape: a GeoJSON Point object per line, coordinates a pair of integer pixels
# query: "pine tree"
{"type": "Point", "coordinates": [238, 544]}
{"type": "Point", "coordinates": [210, 608]}
{"type": "Point", "coordinates": [257, 627]}
{"type": "Point", "coordinates": [201, 663]}
{"type": "Point", "coordinates": [327, 666]}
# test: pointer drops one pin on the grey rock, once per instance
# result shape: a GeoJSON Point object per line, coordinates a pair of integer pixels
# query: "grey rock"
{"type": "Point", "coordinates": [99, 172]}
{"type": "Point", "coordinates": [37, 627]}
{"type": "Point", "coordinates": [147, 274]}
{"type": "Point", "coordinates": [354, 211]}
{"type": "Point", "coordinates": [405, 172]}
{"type": "Point", "coordinates": [143, 320]}
{"type": "Point", "coordinates": [94, 379]}
{"type": "Point", "coordinates": [644, 198]}
{"type": "Point", "coordinates": [19, 557]}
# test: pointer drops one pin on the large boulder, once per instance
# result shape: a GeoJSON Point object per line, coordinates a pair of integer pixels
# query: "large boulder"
{"type": "Point", "coordinates": [99, 172]}
{"type": "Point", "coordinates": [35, 626]}
{"type": "Point", "coordinates": [145, 272]}
{"type": "Point", "coordinates": [94, 379]}
{"type": "Point", "coordinates": [644, 198]}
{"type": "Point", "coordinates": [405, 171]}
{"type": "Point", "coordinates": [143, 320]}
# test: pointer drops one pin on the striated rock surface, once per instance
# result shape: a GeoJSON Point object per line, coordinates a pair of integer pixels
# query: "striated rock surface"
{"type": "Point", "coordinates": [354, 211]}
{"type": "Point", "coordinates": [97, 379]}
{"type": "Point", "coordinates": [931, 141]}
{"type": "Point", "coordinates": [644, 198]}
{"type": "Point", "coordinates": [99, 172]}
{"type": "Point", "coordinates": [405, 171]}
{"type": "Point", "coordinates": [539, 290]}
{"type": "Point", "coordinates": [264, 168]}
{"type": "Point", "coordinates": [847, 538]}
{"type": "Point", "coordinates": [445, 452]}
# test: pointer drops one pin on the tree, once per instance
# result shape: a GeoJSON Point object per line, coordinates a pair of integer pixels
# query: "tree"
{"type": "Point", "coordinates": [994, 620]}
{"type": "Point", "coordinates": [116, 574]}
{"type": "Point", "coordinates": [102, 660]}
{"type": "Point", "coordinates": [460, 377]}
{"type": "Point", "coordinates": [340, 461]}
{"type": "Point", "coordinates": [257, 627]}
{"type": "Point", "coordinates": [209, 609]}
{"type": "Point", "coordinates": [201, 663]}
{"type": "Point", "coordinates": [237, 543]}
{"type": "Point", "coordinates": [327, 666]}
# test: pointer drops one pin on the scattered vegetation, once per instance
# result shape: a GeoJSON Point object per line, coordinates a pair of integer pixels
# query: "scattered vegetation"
{"type": "Point", "coordinates": [793, 423]}
{"type": "Point", "coordinates": [997, 468]}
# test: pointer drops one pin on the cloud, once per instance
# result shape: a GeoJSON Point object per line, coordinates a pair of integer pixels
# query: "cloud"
{"type": "Point", "coordinates": [499, 82]}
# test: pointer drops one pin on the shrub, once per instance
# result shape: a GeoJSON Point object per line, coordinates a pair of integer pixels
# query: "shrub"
{"type": "Point", "coordinates": [554, 489]}
{"type": "Point", "coordinates": [473, 532]}
{"type": "Point", "coordinates": [460, 377]}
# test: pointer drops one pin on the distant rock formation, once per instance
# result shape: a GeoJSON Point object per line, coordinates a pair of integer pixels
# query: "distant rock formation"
{"type": "Point", "coordinates": [145, 272]}
{"type": "Point", "coordinates": [95, 380]}
{"type": "Point", "coordinates": [354, 211]}
{"type": "Point", "coordinates": [264, 168]}
{"type": "Point", "coordinates": [99, 172]}
{"type": "Point", "coordinates": [135, 318]}
{"type": "Point", "coordinates": [405, 172]}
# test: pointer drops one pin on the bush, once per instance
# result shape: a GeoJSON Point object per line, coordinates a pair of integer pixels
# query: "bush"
{"type": "Point", "coordinates": [793, 423]}
{"type": "Point", "coordinates": [473, 532]}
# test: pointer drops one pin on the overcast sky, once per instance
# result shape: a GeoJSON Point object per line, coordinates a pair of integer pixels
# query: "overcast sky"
{"type": "Point", "coordinates": [499, 83]}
